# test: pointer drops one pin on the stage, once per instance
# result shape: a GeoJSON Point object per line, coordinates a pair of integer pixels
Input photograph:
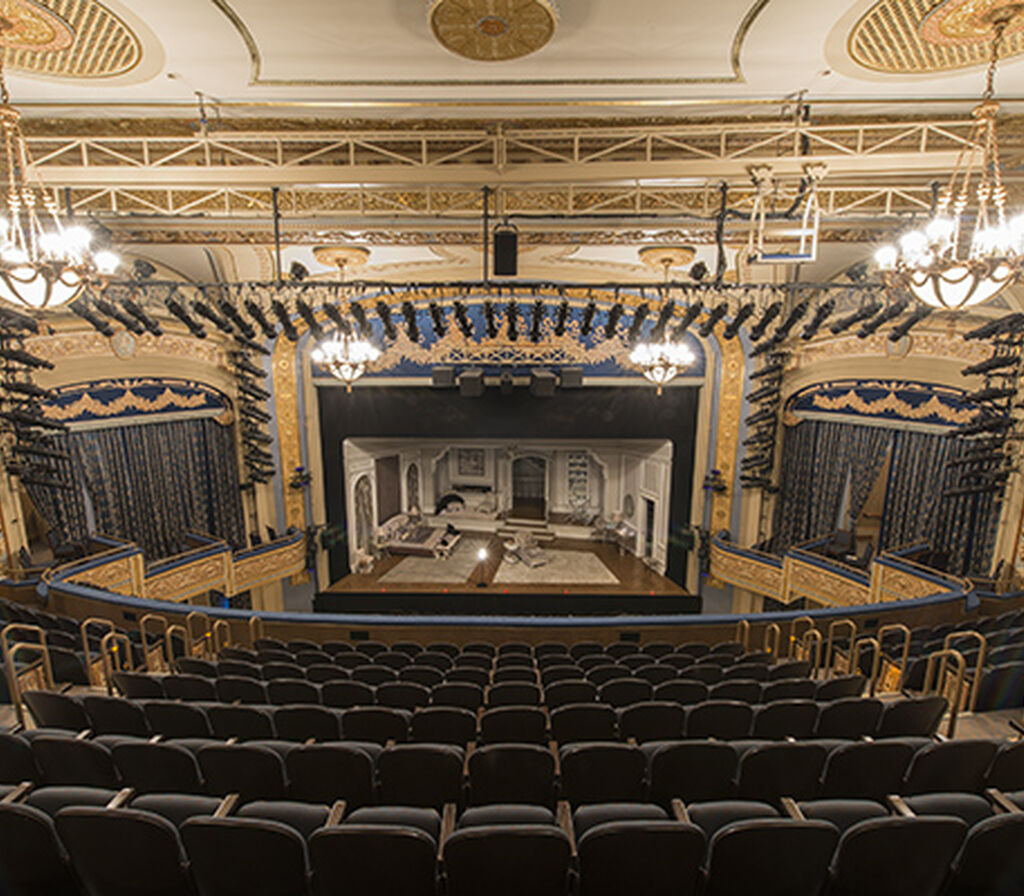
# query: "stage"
{"type": "Point", "coordinates": [580, 577]}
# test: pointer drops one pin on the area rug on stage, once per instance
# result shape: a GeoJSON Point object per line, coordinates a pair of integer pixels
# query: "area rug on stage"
{"type": "Point", "coordinates": [455, 569]}
{"type": "Point", "coordinates": [562, 568]}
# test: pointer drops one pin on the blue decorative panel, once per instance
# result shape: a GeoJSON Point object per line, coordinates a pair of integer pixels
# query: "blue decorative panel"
{"type": "Point", "coordinates": [896, 401]}
{"type": "Point", "coordinates": [121, 400]}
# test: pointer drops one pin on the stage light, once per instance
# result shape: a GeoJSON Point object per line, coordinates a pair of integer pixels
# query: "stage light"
{"type": "Point", "coordinates": [240, 323]}
{"type": "Point", "coordinates": [512, 319]}
{"type": "Point", "coordinates": [1007, 324]}
{"type": "Point", "coordinates": [536, 318]}
{"type": "Point", "coordinates": [863, 313]}
{"type": "Point", "coordinates": [688, 317]}
{"type": "Point", "coordinates": [901, 330]}
{"type": "Point", "coordinates": [140, 315]}
{"type": "Point", "coordinates": [767, 316]}
{"type": "Point", "coordinates": [142, 269]}
{"type": "Point", "coordinates": [29, 389]}
{"type": "Point", "coordinates": [204, 310]}
{"type": "Point", "coordinates": [95, 322]}
{"type": "Point", "coordinates": [770, 370]}
{"type": "Point", "coordinates": [306, 313]}
{"type": "Point", "coordinates": [771, 391]}
{"type": "Point", "coordinates": [890, 313]}
{"type": "Point", "coordinates": [733, 328]}
{"type": "Point", "coordinates": [129, 323]}
{"type": "Point", "coordinates": [790, 321]}
{"type": "Point", "coordinates": [257, 347]}
{"type": "Point", "coordinates": [481, 555]}
{"type": "Point", "coordinates": [178, 310]}
{"type": "Point", "coordinates": [490, 324]}
{"type": "Point", "coordinates": [761, 416]}
{"type": "Point", "coordinates": [411, 326]}
{"type": "Point", "coordinates": [561, 317]}
{"type": "Point", "coordinates": [256, 313]}
{"type": "Point", "coordinates": [714, 316]}
{"type": "Point", "coordinates": [285, 319]}
{"type": "Point", "coordinates": [639, 316]}
{"type": "Point", "coordinates": [587, 322]}
{"type": "Point", "coordinates": [298, 272]}
{"type": "Point", "coordinates": [699, 271]}
{"type": "Point", "coordinates": [614, 316]}
{"type": "Point", "coordinates": [384, 313]}
{"type": "Point", "coordinates": [661, 324]}
{"type": "Point", "coordinates": [253, 391]}
{"type": "Point", "coordinates": [362, 322]}
{"type": "Point", "coordinates": [820, 315]}
{"type": "Point", "coordinates": [437, 320]}
{"type": "Point", "coordinates": [991, 394]}
{"type": "Point", "coordinates": [463, 321]}
{"type": "Point", "coordinates": [338, 319]}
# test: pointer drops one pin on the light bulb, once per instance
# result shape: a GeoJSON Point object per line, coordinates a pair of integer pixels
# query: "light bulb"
{"type": "Point", "coordinates": [106, 261]}
{"type": "Point", "coordinates": [939, 229]}
{"type": "Point", "coordinates": [15, 255]}
{"type": "Point", "coordinates": [886, 257]}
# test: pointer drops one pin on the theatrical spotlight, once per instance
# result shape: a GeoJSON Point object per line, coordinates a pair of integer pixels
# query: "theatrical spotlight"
{"type": "Point", "coordinates": [990, 425]}
{"type": "Point", "coordinates": [178, 310]}
{"type": "Point", "coordinates": [338, 319]}
{"type": "Point", "coordinates": [997, 362]}
{"type": "Point", "coordinates": [764, 392]}
{"type": "Point", "coordinates": [243, 364]}
{"type": "Point", "coordinates": [285, 319]}
{"type": "Point", "coordinates": [790, 321]}
{"type": "Point", "coordinates": [307, 314]}
{"type": "Point", "coordinates": [689, 316]}
{"type": "Point", "coordinates": [136, 311]}
{"type": "Point", "coordinates": [254, 414]}
{"type": "Point", "coordinates": [362, 322]}
{"type": "Point", "coordinates": [637, 325]}
{"type": "Point", "coordinates": [204, 310]}
{"type": "Point", "coordinates": [699, 271]}
{"type": "Point", "coordinates": [252, 346]}
{"type": "Point", "coordinates": [298, 272]}
{"type": "Point", "coordinates": [256, 313]}
{"type": "Point", "coordinates": [437, 320]}
{"type": "Point", "coordinates": [762, 416]}
{"type": "Point", "coordinates": [890, 313]}
{"type": "Point", "coordinates": [536, 317]}
{"type": "Point", "coordinates": [142, 269]}
{"type": "Point", "coordinates": [733, 328]}
{"type": "Point", "coordinates": [862, 313]}
{"type": "Point", "coordinates": [614, 316]}
{"type": "Point", "coordinates": [411, 327]}
{"type": "Point", "coordinates": [12, 320]}
{"type": "Point", "coordinates": [661, 324]}
{"type": "Point", "coordinates": [762, 437]}
{"type": "Point", "coordinates": [490, 323]}
{"type": "Point", "coordinates": [253, 391]}
{"type": "Point", "coordinates": [29, 389]}
{"type": "Point", "coordinates": [384, 313]}
{"type": "Point", "coordinates": [512, 319]}
{"type": "Point", "coordinates": [901, 330]}
{"type": "Point", "coordinates": [992, 394]}
{"type": "Point", "coordinates": [587, 322]}
{"type": "Point", "coordinates": [1007, 324]}
{"type": "Point", "coordinates": [463, 321]}
{"type": "Point", "coordinates": [25, 358]}
{"type": "Point", "coordinates": [989, 457]}
{"type": "Point", "coordinates": [767, 316]}
{"type": "Point", "coordinates": [231, 313]}
{"type": "Point", "coordinates": [820, 315]}
{"type": "Point", "coordinates": [95, 322]}
{"type": "Point", "coordinates": [770, 370]}
{"type": "Point", "coordinates": [765, 345]}
{"type": "Point", "coordinates": [129, 323]}
{"type": "Point", "coordinates": [561, 317]}
{"type": "Point", "coordinates": [714, 316]}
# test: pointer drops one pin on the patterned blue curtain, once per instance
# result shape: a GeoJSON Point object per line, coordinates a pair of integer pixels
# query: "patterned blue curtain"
{"type": "Point", "coordinates": [818, 457]}
{"type": "Point", "coordinates": [910, 513]}
{"type": "Point", "coordinates": [151, 483]}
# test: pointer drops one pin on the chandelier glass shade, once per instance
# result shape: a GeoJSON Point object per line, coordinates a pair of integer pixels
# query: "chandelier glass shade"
{"type": "Point", "coordinates": [661, 362]}
{"type": "Point", "coordinates": [964, 256]}
{"type": "Point", "coordinates": [345, 356]}
{"type": "Point", "coordinates": [44, 261]}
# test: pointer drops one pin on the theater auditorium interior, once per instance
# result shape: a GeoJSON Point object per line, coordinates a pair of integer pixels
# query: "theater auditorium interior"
{"type": "Point", "coordinates": [512, 448]}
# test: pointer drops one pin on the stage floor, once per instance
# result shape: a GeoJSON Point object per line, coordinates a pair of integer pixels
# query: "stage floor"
{"type": "Point", "coordinates": [593, 572]}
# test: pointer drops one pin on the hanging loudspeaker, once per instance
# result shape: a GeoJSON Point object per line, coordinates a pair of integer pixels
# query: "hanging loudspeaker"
{"type": "Point", "coordinates": [506, 251]}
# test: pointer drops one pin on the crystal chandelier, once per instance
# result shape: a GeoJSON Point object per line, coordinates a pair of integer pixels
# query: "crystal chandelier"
{"type": "Point", "coordinates": [44, 263]}
{"type": "Point", "coordinates": [661, 362]}
{"type": "Point", "coordinates": [941, 265]}
{"type": "Point", "coordinates": [345, 356]}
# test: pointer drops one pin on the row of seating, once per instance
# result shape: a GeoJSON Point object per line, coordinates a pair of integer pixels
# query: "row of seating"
{"type": "Point", "coordinates": [581, 773]}
{"type": "Point", "coordinates": [851, 717]}
{"type": "Point", "coordinates": [101, 842]}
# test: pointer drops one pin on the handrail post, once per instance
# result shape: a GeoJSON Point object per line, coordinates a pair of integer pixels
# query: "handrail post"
{"type": "Point", "coordinates": [743, 633]}
{"type": "Point", "coordinates": [772, 637]}
{"type": "Point", "coordinates": [10, 652]}
{"type": "Point", "coordinates": [156, 661]}
{"type": "Point", "coordinates": [201, 644]}
{"type": "Point", "coordinates": [90, 669]}
{"type": "Point", "coordinates": [979, 664]}
{"type": "Point", "coordinates": [221, 636]}
{"type": "Point", "coordinates": [905, 656]}
{"type": "Point", "coordinates": [830, 658]}
{"type": "Point", "coordinates": [876, 659]}
{"type": "Point", "coordinates": [932, 670]}
{"type": "Point", "coordinates": [169, 642]}
{"type": "Point", "coordinates": [255, 630]}
{"type": "Point", "coordinates": [115, 651]}
{"type": "Point", "coordinates": [792, 632]}
{"type": "Point", "coordinates": [812, 637]}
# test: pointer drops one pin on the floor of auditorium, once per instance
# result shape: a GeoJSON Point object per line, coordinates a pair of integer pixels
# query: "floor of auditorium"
{"type": "Point", "coordinates": [633, 575]}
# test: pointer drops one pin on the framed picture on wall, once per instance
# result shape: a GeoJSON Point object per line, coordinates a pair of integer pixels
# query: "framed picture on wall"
{"type": "Point", "coordinates": [470, 463]}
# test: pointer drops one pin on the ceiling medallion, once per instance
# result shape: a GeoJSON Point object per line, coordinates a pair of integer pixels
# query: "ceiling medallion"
{"type": "Point", "coordinates": [29, 26]}
{"type": "Point", "coordinates": [918, 36]}
{"type": "Point", "coordinates": [493, 30]}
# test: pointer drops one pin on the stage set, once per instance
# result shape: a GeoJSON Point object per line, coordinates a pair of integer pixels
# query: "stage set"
{"type": "Point", "coordinates": [458, 521]}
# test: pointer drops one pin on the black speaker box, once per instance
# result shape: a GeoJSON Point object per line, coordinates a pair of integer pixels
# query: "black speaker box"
{"type": "Point", "coordinates": [471, 383]}
{"type": "Point", "coordinates": [571, 378]}
{"type": "Point", "coordinates": [443, 377]}
{"type": "Point", "coordinates": [542, 383]}
{"type": "Point", "coordinates": [506, 253]}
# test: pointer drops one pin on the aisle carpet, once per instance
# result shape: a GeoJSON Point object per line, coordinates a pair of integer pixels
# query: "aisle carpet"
{"type": "Point", "coordinates": [562, 568]}
{"type": "Point", "coordinates": [455, 569]}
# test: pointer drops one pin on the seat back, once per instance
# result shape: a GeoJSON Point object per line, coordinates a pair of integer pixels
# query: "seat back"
{"type": "Point", "coordinates": [423, 775]}
{"type": "Point", "coordinates": [512, 773]}
{"type": "Point", "coordinates": [507, 860]}
{"type": "Point", "coordinates": [157, 768]}
{"type": "Point", "coordinates": [369, 860]}
{"type": "Point", "coordinates": [324, 773]}
{"type": "Point", "coordinates": [645, 858]}
{"type": "Point", "coordinates": [32, 860]}
{"type": "Point", "coordinates": [602, 773]}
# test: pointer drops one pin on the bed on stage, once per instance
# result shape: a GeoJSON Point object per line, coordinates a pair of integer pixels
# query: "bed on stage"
{"type": "Point", "coordinates": [402, 534]}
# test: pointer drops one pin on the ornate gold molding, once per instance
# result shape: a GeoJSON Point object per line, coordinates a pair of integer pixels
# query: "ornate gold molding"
{"type": "Point", "coordinates": [256, 78]}
{"type": "Point", "coordinates": [730, 411]}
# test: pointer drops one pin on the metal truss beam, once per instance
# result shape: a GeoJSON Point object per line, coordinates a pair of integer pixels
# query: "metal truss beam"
{"type": "Point", "coordinates": [873, 168]}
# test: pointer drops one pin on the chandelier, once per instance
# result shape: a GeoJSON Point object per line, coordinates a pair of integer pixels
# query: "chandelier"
{"type": "Point", "coordinates": [661, 362]}
{"type": "Point", "coordinates": [942, 265]}
{"type": "Point", "coordinates": [345, 356]}
{"type": "Point", "coordinates": [44, 263]}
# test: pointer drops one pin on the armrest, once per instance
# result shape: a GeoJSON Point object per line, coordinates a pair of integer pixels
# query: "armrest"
{"type": "Point", "coordinates": [84, 734]}
{"type": "Point", "coordinates": [791, 809]}
{"type": "Point", "coordinates": [336, 814]}
{"type": "Point", "coordinates": [553, 747]}
{"type": "Point", "coordinates": [1003, 804]}
{"type": "Point", "coordinates": [227, 806]}
{"type": "Point", "coordinates": [19, 793]}
{"type": "Point", "coordinates": [899, 805]}
{"type": "Point", "coordinates": [447, 826]}
{"type": "Point", "coordinates": [563, 815]}
{"type": "Point", "coordinates": [470, 747]}
{"type": "Point", "coordinates": [121, 798]}
{"type": "Point", "coordinates": [679, 812]}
